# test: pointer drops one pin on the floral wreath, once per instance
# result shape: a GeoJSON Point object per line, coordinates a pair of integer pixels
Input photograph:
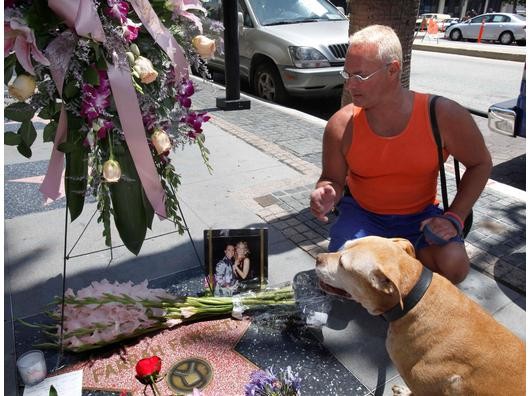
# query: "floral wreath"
{"type": "Point", "coordinates": [111, 76]}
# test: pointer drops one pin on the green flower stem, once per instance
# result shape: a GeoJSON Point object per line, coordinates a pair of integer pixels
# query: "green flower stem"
{"type": "Point", "coordinates": [111, 155]}
{"type": "Point", "coordinates": [153, 386]}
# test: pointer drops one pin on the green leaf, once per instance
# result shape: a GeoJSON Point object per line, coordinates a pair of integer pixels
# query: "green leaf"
{"type": "Point", "coordinates": [27, 132]}
{"type": "Point", "coordinates": [9, 67]}
{"type": "Point", "coordinates": [53, 391]}
{"type": "Point", "coordinates": [149, 211]}
{"type": "Point", "coordinates": [24, 149]}
{"type": "Point", "coordinates": [48, 112]}
{"type": "Point", "coordinates": [12, 139]}
{"type": "Point", "coordinates": [76, 174]}
{"type": "Point", "coordinates": [70, 90]}
{"type": "Point", "coordinates": [127, 201]}
{"type": "Point", "coordinates": [19, 111]}
{"type": "Point", "coordinates": [67, 147]}
{"type": "Point", "coordinates": [48, 134]}
{"type": "Point", "coordinates": [91, 76]}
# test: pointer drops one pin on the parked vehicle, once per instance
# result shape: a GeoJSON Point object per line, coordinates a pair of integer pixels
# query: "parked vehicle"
{"type": "Point", "coordinates": [502, 27]}
{"type": "Point", "coordinates": [443, 25]}
{"type": "Point", "coordinates": [509, 117]}
{"type": "Point", "coordinates": [423, 18]}
{"type": "Point", "coordinates": [288, 47]}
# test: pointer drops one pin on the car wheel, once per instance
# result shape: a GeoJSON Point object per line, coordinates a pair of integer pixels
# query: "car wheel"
{"type": "Point", "coordinates": [506, 38]}
{"type": "Point", "coordinates": [268, 83]}
{"type": "Point", "coordinates": [456, 35]}
{"type": "Point", "coordinates": [522, 43]}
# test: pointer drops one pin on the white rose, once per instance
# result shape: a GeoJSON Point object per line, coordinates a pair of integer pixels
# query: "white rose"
{"type": "Point", "coordinates": [161, 141]}
{"type": "Point", "coordinates": [23, 87]}
{"type": "Point", "coordinates": [111, 171]}
{"type": "Point", "coordinates": [145, 70]}
{"type": "Point", "coordinates": [204, 46]}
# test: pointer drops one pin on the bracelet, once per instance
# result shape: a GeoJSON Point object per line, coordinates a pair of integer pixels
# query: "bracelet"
{"type": "Point", "coordinates": [456, 217]}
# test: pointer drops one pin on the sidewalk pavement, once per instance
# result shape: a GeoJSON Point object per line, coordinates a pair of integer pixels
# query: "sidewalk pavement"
{"type": "Point", "coordinates": [480, 50]}
{"type": "Point", "coordinates": [266, 161]}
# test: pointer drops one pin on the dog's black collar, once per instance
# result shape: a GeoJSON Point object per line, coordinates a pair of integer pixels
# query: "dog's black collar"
{"type": "Point", "coordinates": [412, 298]}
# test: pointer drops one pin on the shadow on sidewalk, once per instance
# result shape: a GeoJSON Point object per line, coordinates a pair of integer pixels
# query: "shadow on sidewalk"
{"type": "Point", "coordinates": [512, 172]}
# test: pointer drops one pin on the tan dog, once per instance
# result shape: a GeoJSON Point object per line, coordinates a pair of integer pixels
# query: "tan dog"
{"type": "Point", "coordinates": [446, 344]}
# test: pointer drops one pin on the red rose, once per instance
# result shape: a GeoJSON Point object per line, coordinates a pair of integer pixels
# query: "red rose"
{"type": "Point", "coordinates": [148, 369]}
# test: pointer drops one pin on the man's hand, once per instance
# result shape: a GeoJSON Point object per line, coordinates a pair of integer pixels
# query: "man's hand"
{"type": "Point", "coordinates": [441, 227]}
{"type": "Point", "coordinates": [322, 201]}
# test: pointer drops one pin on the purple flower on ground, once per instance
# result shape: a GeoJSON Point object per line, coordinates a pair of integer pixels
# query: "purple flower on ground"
{"type": "Point", "coordinates": [266, 383]}
{"type": "Point", "coordinates": [195, 120]}
{"type": "Point", "coordinates": [260, 382]}
{"type": "Point", "coordinates": [118, 10]}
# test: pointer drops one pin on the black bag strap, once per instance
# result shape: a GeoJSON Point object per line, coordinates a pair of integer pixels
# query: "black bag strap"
{"type": "Point", "coordinates": [438, 140]}
{"type": "Point", "coordinates": [468, 222]}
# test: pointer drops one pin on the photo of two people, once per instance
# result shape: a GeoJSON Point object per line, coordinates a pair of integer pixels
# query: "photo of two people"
{"type": "Point", "coordinates": [236, 260]}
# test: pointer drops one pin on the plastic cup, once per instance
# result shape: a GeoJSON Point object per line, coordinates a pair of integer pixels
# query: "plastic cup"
{"type": "Point", "coordinates": [32, 367]}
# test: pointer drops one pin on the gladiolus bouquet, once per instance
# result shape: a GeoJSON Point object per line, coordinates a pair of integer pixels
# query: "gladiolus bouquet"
{"type": "Point", "coordinates": [111, 77]}
{"type": "Point", "coordinates": [105, 313]}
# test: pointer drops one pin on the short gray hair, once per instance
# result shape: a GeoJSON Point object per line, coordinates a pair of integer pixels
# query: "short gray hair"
{"type": "Point", "coordinates": [384, 37]}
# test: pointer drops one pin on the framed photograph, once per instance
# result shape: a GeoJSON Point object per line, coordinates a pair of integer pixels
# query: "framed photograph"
{"type": "Point", "coordinates": [236, 259]}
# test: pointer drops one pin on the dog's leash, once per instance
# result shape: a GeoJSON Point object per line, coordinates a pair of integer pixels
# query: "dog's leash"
{"type": "Point", "coordinates": [412, 298]}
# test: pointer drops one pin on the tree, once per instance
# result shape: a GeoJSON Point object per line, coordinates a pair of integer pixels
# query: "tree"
{"type": "Point", "coordinates": [400, 15]}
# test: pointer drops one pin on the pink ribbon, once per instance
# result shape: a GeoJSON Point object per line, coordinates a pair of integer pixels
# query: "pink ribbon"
{"type": "Point", "coordinates": [87, 24]}
{"type": "Point", "coordinates": [133, 128]}
{"type": "Point", "coordinates": [162, 36]}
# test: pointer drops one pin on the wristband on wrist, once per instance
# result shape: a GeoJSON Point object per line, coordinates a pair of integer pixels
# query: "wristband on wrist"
{"type": "Point", "coordinates": [456, 217]}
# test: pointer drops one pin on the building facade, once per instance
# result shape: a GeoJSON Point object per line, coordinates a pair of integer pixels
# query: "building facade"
{"type": "Point", "coordinates": [459, 8]}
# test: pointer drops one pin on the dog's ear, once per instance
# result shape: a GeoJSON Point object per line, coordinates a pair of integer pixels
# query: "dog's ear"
{"type": "Point", "coordinates": [382, 282]}
{"type": "Point", "coordinates": [405, 245]}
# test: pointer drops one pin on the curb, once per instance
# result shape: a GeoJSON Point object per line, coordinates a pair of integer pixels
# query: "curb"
{"type": "Point", "coordinates": [471, 52]}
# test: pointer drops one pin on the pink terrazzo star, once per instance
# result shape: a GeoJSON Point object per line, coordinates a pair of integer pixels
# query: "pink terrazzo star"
{"type": "Point", "coordinates": [38, 180]}
{"type": "Point", "coordinates": [212, 341]}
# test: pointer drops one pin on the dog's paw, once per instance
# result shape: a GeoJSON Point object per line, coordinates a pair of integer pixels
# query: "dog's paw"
{"type": "Point", "coordinates": [401, 390]}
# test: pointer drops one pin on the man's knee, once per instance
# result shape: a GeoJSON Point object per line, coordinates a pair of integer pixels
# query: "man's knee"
{"type": "Point", "coordinates": [453, 262]}
{"type": "Point", "coordinates": [450, 261]}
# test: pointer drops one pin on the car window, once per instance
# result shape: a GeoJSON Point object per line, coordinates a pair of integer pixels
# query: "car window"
{"type": "Point", "coordinates": [277, 12]}
{"type": "Point", "coordinates": [478, 19]}
{"type": "Point", "coordinates": [500, 18]}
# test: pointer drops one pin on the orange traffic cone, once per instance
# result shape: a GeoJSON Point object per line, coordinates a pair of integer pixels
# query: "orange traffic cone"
{"type": "Point", "coordinates": [481, 31]}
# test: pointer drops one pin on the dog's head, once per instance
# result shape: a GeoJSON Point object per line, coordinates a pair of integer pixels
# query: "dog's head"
{"type": "Point", "coordinates": [370, 270]}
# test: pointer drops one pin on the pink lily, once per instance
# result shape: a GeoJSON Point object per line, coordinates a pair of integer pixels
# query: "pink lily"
{"type": "Point", "coordinates": [181, 7]}
{"type": "Point", "coordinates": [20, 38]}
{"type": "Point", "coordinates": [118, 10]}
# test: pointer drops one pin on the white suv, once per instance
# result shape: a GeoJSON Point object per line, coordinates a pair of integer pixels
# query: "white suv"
{"type": "Point", "coordinates": [288, 47]}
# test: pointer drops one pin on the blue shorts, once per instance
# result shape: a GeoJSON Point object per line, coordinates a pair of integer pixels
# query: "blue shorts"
{"type": "Point", "coordinates": [355, 222]}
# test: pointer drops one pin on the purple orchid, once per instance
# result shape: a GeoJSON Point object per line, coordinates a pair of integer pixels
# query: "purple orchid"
{"type": "Point", "coordinates": [130, 30]}
{"type": "Point", "coordinates": [95, 99]}
{"type": "Point", "coordinates": [118, 10]}
{"type": "Point", "coordinates": [195, 120]}
{"type": "Point", "coordinates": [104, 128]}
{"type": "Point", "coordinates": [185, 91]}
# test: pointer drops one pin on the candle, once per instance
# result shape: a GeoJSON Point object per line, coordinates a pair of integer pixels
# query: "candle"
{"type": "Point", "coordinates": [32, 367]}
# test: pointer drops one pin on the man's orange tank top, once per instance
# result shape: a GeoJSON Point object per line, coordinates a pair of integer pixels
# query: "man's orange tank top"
{"type": "Point", "coordinates": [398, 174]}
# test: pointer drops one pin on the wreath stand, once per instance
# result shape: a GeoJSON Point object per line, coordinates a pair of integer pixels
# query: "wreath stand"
{"type": "Point", "coordinates": [67, 255]}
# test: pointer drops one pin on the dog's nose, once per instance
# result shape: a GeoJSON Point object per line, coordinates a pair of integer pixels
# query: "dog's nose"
{"type": "Point", "coordinates": [321, 259]}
